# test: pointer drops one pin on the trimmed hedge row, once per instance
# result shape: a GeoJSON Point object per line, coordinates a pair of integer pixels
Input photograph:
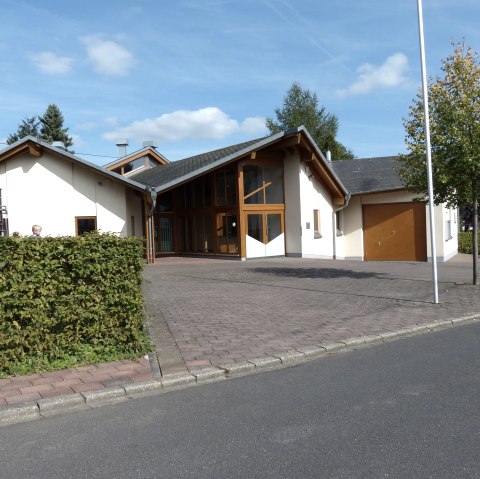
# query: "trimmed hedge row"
{"type": "Point", "coordinates": [60, 296]}
{"type": "Point", "coordinates": [465, 242]}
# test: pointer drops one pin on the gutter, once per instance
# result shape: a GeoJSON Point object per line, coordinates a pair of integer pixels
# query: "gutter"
{"type": "Point", "coordinates": [334, 223]}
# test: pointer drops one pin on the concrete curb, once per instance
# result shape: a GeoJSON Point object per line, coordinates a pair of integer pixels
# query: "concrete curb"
{"type": "Point", "coordinates": [42, 408]}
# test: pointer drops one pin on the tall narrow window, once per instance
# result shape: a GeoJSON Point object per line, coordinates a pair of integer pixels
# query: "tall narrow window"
{"type": "Point", "coordinates": [85, 224]}
{"type": "Point", "coordinates": [316, 224]}
{"type": "Point", "coordinates": [339, 221]}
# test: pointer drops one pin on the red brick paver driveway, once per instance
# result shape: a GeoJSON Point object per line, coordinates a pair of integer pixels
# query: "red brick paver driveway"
{"type": "Point", "coordinates": [223, 311]}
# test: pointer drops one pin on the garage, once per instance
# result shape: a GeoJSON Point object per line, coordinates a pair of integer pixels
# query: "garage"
{"type": "Point", "coordinates": [394, 232]}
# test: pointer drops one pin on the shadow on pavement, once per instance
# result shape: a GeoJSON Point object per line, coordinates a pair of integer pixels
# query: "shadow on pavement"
{"type": "Point", "coordinates": [326, 273]}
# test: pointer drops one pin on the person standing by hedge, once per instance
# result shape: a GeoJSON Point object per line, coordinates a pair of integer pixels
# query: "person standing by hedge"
{"type": "Point", "coordinates": [36, 231]}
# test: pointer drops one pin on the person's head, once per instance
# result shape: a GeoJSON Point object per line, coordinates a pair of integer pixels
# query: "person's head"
{"type": "Point", "coordinates": [16, 234]}
{"type": "Point", "coordinates": [36, 230]}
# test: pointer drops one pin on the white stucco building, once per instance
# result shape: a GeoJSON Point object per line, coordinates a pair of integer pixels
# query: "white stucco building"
{"type": "Point", "coordinates": [274, 196]}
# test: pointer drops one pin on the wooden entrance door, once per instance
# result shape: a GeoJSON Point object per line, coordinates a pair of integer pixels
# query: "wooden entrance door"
{"type": "Point", "coordinates": [394, 232]}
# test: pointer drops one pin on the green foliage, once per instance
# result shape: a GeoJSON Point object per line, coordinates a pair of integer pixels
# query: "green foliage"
{"type": "Point", "coordinates": [300, 107]}
{"type": "Point", "coordinates": [454, 104]}
{"type": "Point", "coordinates": [465, 242]}
{"type": "Point", "coordinates": [28, 127]}
{"type": "Point", "coordinates": [63, 297]}
{"type": "Point", "coordinates": [52, 127]}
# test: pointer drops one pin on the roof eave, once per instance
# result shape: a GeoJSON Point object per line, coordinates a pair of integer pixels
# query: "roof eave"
{"type": "Point", "coordinates": [222, 161]}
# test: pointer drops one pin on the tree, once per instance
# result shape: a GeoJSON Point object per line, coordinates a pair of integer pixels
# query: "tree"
{"type": "Point", "coordinates": [300, 107]}
{"type": "Point", "coordinates": [28, 127]}
{"type": "Point", "coordinates": [454, 104]}
{"type": "Point", "coordinates": [52, 126]}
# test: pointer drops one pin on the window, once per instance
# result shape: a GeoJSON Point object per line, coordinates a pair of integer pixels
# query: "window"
{"type": "Point", "coordinates": [85, 224]}
{"type": "Point", "coordinates": [316, 224]}
{"type": "Point", "coordinates": [164, 202]}
{"type": "Point", "coordinates": [339, 221]}
{"type": "Point", "coordinates": [263, 184]}
{"type": "Point", "coordinates": [133, 165]}
{"type": "Point", "coordinates": [195, 194]}
{"type": "Point", "coordinates": [132, 225]}
{"type": "Point", "coordinates": [448, 230]}
{"type": "Point", "coordinates": [225, 188]}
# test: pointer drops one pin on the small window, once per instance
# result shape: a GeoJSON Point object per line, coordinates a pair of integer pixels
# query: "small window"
{"type": "Point", "coordinates": [85, 224]}
{"type": "Point", "coordinates": [448, 230]}
{"type": "Point", "coordinates": [339, 221]}
{"type": "Point", "coordinates": [316, 224]}
{"type": "Point", "coordinates": [132, 225]}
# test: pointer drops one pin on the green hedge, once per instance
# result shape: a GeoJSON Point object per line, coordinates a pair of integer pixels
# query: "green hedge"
{"type": "Point", "coordinates": [465, 242]}
{"type": "Point", "coordinates": [61, 297]}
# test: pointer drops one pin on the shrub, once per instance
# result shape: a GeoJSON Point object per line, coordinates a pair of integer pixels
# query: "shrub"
{"type": "Point", "coordinates": [62, 296]}
{"type": "Point", "coordinates": [465, 242]}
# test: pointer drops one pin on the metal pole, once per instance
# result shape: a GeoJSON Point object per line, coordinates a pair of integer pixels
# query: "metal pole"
{"type": "Point", "coordinates": [429, 154]}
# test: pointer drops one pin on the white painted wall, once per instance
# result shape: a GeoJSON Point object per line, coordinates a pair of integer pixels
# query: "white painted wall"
{"type": "Point", "coordinates": [293, 231]}
{"type": "Point", "coordinates": [52, 191]}
{"type": "Point", "coordinates": [314, 196]}
{"type": "Point", "coordinates": [134, 210]}
{"type": "Point", "coordinates": [446, 246]}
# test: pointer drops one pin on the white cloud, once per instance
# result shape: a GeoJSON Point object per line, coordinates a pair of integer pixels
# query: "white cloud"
{"type": "Point", "coordinates": [203, 124]}
{"type": "Point", "coordinates": [107, 57]}
{"type": "Point", "coordinates": [370, 77]}
{"type": "Point", "coordinates": [254, 125]}
{"type": "Point", "coordinates": [51, 64]}
{"type": "Point", "coordinates": [77, 140]}
{"type": "Point", "coordinates": [86, 126]}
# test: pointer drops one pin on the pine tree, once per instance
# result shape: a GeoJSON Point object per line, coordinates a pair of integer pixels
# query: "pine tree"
{"type": "Point", "coordinates": [300, 107]}
{"type": "Point", "coordinates": [52, 127]}
{"type": "Point", "coordinates": [28, 127]}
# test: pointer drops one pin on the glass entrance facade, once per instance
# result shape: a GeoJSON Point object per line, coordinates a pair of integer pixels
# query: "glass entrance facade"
{"type": "Point", "coordinates": [204, 216]}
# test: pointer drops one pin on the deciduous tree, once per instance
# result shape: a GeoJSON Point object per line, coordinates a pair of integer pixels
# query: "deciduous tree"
{"type": "Point", "coordinates": [454, 104]}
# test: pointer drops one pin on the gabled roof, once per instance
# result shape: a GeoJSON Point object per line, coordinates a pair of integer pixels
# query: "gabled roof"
{"type": "Point", "coordinates": [148, 150]}
{"type": "Point", "coordinates": [36, 148]}
{"type": "Point", "coordinates": [166, 174]}
{"type": "Point", "coordinates": [175, 173]}
{"type": "Point", "coordinates": [369, 175]}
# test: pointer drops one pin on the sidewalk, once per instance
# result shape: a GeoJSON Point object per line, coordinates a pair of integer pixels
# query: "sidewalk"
{"type": "Point", "coordinates": [34, 387]}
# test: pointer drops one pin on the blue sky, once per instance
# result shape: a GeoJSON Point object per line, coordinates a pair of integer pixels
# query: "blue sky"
{"type": "Point", "coordinates": [196, 75]}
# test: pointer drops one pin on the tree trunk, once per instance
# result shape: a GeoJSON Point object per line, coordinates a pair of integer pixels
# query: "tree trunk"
{"type": "Point", "coordinates": [475, 232]}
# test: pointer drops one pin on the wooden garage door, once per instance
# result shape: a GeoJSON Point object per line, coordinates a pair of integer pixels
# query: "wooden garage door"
{"type": "Point", "coordinates": [394, 232]}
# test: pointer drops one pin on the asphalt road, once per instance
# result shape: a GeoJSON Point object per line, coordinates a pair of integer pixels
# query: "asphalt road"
{"type": "Point", "coordinates": [405, 409]}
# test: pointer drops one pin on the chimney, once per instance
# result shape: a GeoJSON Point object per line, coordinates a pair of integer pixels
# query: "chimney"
{"type": "Point", "coordinates": [150, 143]}
{"type": "Point", "coordinates": [59, 145]}
{"type": "Point", "coordinates": [329, 156]}
{"type": "Point", "coordinates": [122, 144]}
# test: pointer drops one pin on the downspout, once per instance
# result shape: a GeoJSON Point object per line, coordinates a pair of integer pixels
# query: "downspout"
{"type": "Point", "coordinates": [334, 223]}
{"type": "Point", "coordinates": [151, 233]}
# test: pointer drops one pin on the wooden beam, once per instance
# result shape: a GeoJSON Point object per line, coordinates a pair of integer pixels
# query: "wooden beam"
{"type": "Point", "coordinates": [289, 141]}
{"type": "Point", "coordinates": [35, 150]}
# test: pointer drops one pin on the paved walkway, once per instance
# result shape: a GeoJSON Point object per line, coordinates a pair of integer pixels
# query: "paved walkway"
{"type": "Point", "coordinates": [210, 312]}
{"type": "Point", "coordinates": [20, 389]}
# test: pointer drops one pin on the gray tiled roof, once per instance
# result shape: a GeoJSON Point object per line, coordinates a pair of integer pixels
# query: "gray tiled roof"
{"type": "Point", "coordinates": [369, 175]}
{"type": "Point", "coordinates": [164, 174]}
